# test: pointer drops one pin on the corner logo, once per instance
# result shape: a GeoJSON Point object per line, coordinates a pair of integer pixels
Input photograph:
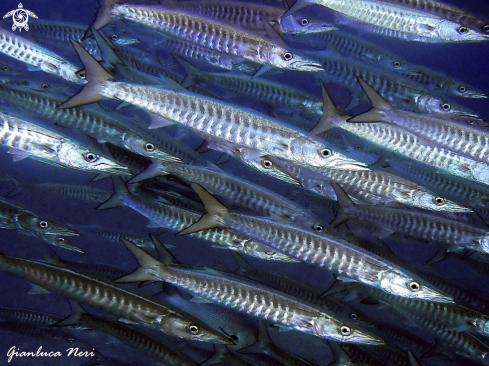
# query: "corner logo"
{"type": "Point", "coordinates": [20, 17]}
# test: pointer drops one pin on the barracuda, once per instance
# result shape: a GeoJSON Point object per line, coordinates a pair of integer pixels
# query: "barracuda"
{"type": "Point", "coordinates": [235, 190]}
{"type": "Point", "coordinates": [426, 20]}
{"type": "Point", "coordinates": [400, 91]}
{"type": "Point", "coordinates": [208, 33]}
{"type": "Point", "coordinates": [95, 123]}
{"type": "Point", "coordinates": [371, 185]}
{"type": "Point", "coordinates": [256, 132]}
{"type": "Point", "coordinates": [277, 94]}
{"type": "Point", "coordinates": [30, 140]}
{"type": "Point", "coordinates": [456, 136]}
{"type": "Point", "coordinates": [329, 252]}
{"type": "Point", "coordinates": [110, 298]}
{"type": "Point", "coordinates": [176, 219]}
{"type": "Point", "coordinates": [405, 143]}
{"type": "Point", "coordinates": [28, 52]}
{"type": "Point", "coordinates": [418, 224]}
{"type": "Point", "coordinates": [247, 297]}
{"type": "Point", "coordinates": [133, 337]}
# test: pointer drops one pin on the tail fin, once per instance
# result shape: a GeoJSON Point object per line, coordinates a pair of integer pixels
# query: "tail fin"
{"type": "Point", "coordinates": [299, 4]}
{"type": "Point", "coordinates": [95, 75]}
{"type": "Point", "coordinates": [104, 13]}
{"type": "Point", "coordinates": [153, 170]}
{"type": "Point", "coordinates": [331, 117]}
{"type": "Point", "coordinates": [75, 318]}
{"type": "Point", "coordinates": [192, 73]}
{"type": "Point", "coordinates": [150, 270]}
{"type": "Point", "coordinates": [214, 216]}
{"type": "Point", "coordinates": [120, 190]}
{"type": "Point", "coordinates": [344, 201]}
{"type": "Point", "coordinates": [380, 106]}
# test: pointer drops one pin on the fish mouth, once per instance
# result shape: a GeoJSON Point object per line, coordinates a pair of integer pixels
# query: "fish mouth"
{"type": "Point", "coordinates": [348, 164]}
{"type": "Point", "coordinates": [307, 66]}
{"type": "Point", "coordinates": [114, 169]}
{"type": "Point", "coordinates": [62, 232]}
{"type": "Point", "coordinates": [372, 340]}
{"type": "Point", "coordinates": [474, 95]}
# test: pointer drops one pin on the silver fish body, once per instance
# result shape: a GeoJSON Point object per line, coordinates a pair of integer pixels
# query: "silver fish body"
{"type": "Point", "coordinates": [108, 297]}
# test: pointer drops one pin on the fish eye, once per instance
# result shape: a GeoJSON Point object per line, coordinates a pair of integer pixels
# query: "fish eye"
{"type": "Point", "coordinates": [353, 316]}
{"type": "Point", "coordinates": [193, 329]}
{"type": "Point", "coordinates": [149, 146]}
{"type": "Point", "coordinates": [358, 147]}
{"type": "Point", "coordinates": [326, 152]}
{"type": "Point", "coordinates": [267, 164]}
{"type": "Point", "coordinates": [287, 56]}
{"type": "Point", "coordinates": [462, 89]}
{"type": "Point", "coordinates": [446, 107]}
{"type": "Point", "coordinates": [5, 68]}
{"type": "Point", "coordinates": [486, 28]}
{"type": "Point", "coordinates": [71, 340]}
{"type": "Point", "coordinates": [82, 75]}
{"type": "Point", "coordinates": [114, 37]}
{"type": "Point", "coordinates": [318, 228]}
{"type": "Point", "coordinates": [463, 29]}
{"type": "Point", "coordinates": [61, 240]}
{"type": "Point", "coordinates": [439, 201]}
{"type": "Point", "coordinates": [345, 330]}
{"type": "Point", "coordinates": [43, 224]}
{"type": "Point", "coordinates": [45, 86]}
{"type": "Point", "coordinates": [304, 21]}
{"type": "Point", "coordinates": [90, 157]}
{"type": "Point", "coordinates": [414, 286]}
{"type": "Point", "coordinates": [397, 64]}
{"type": "Point", "coordinates": [270, 253]}
{"type": "Point", "coordinates": [471, 122]}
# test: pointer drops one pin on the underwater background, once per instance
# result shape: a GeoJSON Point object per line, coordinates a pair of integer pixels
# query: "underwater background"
{"type": "Point", "coordinates": [468, 62]}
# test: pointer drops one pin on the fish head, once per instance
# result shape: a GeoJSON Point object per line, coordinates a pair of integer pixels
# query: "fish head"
{"type": "Point", "coordinates": [319, 155]}
{"type": "Point", "coordinates": [147, 148]}
{"type": "Point", "coordinates": [397, 283]}
{"type": "Point", "coordinates": [471, 30]}
{"type": "Point", "coordinates": [431, 202]}
{"type": "Point", "coordinates": [42, 227]}
{"type": "Point", "coordinates": [267, 165]}
{"type": "Point", "coordinates": [192, 330]}
{"type": "Point", "coordinates": [298, 24]}
{"type": "Point", "coordinates": [62, 242]}
{"type": "Point", "coordinates": [75, 156]}
{"type": "Point", "coordinates": [329, 328]}
{"type": "Point", "coordinates": [284, 59]}
{"type": "Point", "coordinates": [463, 91]}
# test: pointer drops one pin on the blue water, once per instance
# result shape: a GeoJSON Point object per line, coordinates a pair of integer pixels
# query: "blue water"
{"type": "Point", "coordinates": [467, 62]}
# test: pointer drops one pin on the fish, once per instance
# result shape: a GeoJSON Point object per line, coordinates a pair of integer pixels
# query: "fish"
{"type": "Point", "coordinates": [110, 298]}
{"type": "Point", "coordinates": [28, 52]}
{"type": "Point", "coordinates": [269, 137]}
{"type": "Point", "coordinates": [329, 252]}
{"type": "Point", "coordinates": [26, 139]}
{"type": "Point", "coordinates": [246, 297]}
{"type": "Point", "coordinates": [433, 21]}
{"type": "Point", "coordinates": [190, 27]}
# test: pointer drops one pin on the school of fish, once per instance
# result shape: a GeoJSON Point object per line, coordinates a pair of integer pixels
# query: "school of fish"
{"type": "Point", "coordinates": [244, 183]}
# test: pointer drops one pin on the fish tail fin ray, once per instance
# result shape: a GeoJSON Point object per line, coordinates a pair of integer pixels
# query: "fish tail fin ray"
{"type": "Point", "coordinates": [115, 200]}
{"type": "Point", "coordinates": [214, 216]}
{"type": "Point", "coordinates": [192, 73]}
{"type": "Point", "coordinates": [104, 13]}
{"type": "Point", "coordinates": [344, 201]}
{"type": "Point", "coordinates": [150, 270]}
{"type": "Point", "coordinates": [153, 170]}
{"type": "Point", "coordinates": [380, 106]}
{"type": "Point", "coordinates": [96, 75]}
{"type": "Point", "coordinates": [75, 318]}
{"type": "Point", "coordinates": [331, 117]}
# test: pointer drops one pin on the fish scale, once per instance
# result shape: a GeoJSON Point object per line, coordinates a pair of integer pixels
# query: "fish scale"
{"type": "Point", "coordinates": [424, 225]}
{"type": "Point", "coordinates": [203, 31]}
{"type": "Point", "coordinates": [245, 297]}
{"type": "Point", "coordinates": [177, 219]}
{"type": "Point", "coordinates": [411, 146]}
{"type": "Point", "coordinates": [218, 119]}
{"type": "Point", "coordinates": [24, 50]}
